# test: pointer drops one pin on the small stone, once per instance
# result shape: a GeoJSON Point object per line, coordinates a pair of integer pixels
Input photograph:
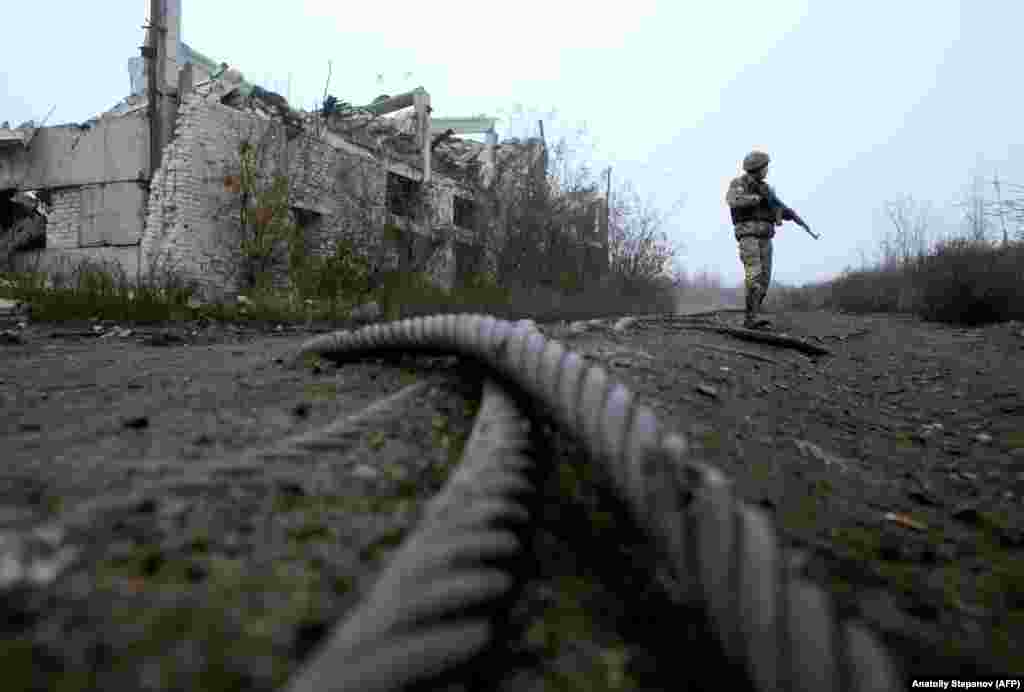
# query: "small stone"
{"type": "Point", "coordinates": [624, 324]}
{"type": "Point", "coordinates": [365, 472]}
{"type": "Point", "coordinates": [367, 312]}
{"type": "Point", "coordinates": [983, 438]}
{"type": "Point", "coordinates": [707, 390]}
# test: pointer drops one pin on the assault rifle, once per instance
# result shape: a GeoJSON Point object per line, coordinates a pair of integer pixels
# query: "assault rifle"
{"type": "Point", "coordinates": [777, 204]}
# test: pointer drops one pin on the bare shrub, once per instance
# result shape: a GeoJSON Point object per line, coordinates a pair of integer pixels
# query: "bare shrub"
{"type": "Point", "coordinates": [970, 282]}
{"type": "Point", "coordinates": [865, 291]}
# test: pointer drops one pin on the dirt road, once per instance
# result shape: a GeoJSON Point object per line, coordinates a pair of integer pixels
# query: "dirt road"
{"type": "Point", "coordinates": [144, 546]}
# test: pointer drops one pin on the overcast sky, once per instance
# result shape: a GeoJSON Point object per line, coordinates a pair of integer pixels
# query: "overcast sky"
{"type": "Point", "coordinates": [857, 103]}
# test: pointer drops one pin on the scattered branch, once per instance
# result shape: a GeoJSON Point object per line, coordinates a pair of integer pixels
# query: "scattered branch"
{"type": "Point", "coordinates": [780, 340]}
{"type": "Point", "coordinates": [737, 352]}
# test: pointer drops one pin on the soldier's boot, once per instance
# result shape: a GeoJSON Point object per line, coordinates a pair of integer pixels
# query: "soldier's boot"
{"type": "Point", "coordinates": [751, 319]}
{"type": "Point", "coordinates": [750, 316]}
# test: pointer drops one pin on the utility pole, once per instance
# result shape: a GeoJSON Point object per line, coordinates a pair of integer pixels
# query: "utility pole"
{"type": "Point", "coordinates": [999, 201]}
{"type": "Point", "coordinates": [607, 219]}
{"type": "Point", "coordinates": [608, 201]}
{"type": "Point", "coordinates": [152, 53]}
{"type": "Point", "coordinates": [544, 149]}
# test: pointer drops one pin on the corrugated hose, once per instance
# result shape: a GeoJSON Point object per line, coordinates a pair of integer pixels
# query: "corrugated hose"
{"type": "Point", "coordinates": [723, 554]}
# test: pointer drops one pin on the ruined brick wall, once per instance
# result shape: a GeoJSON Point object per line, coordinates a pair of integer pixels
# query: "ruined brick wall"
{"type": "Point", "coordinates": [192, 215]}
{"type": "Point", "coordinates": [64, 219]}
{"type": "Point", "coordinates": [180, 217]}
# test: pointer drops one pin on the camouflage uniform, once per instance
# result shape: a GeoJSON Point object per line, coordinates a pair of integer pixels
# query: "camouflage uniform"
{"type": "Point", "coordinates": [754, 223]}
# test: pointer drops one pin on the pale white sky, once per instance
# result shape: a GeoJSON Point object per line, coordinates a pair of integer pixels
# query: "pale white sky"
{"type": "Point", "coordinates": [856, 102]}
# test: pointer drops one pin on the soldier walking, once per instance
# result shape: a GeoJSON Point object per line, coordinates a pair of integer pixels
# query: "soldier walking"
{"type": "Point", "coordinates": [756, 211]}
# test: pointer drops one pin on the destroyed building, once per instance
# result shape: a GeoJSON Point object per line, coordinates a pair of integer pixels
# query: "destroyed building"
{"type": "Point", "coordinates": [151, 181]}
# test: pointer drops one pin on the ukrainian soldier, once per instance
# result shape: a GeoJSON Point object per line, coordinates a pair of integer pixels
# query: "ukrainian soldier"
{"type": "Point", "coordinates": [756, 211]}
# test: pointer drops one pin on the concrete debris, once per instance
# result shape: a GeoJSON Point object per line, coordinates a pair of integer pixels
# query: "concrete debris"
{"type": "Point", "coordinates": [707, 390]}
{"type": "Point", "coordinates": [36, 559]}
{"type": "Point", "coordinates": [624, 324]}
{"type": "Point", "coordinates": [9, 337]}
{"type": "Point", "coordinates": [367, 312]}
{"type": "Point", "coordinates": [366, 472]}
{"type": "Point", "coordinates": [16, 136]}
{"type": "Point", "coordinates": [812, 450]}
{"type": "Point", "coordinates": [118, 333]}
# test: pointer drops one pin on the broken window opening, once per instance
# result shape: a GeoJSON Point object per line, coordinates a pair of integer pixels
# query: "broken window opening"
{"type": "Point", "coordinates": [307, 219]}
{"type": "Point", "coordinates": [401, 243]}
{"type": "Point", "coordinates": [309, 224]}
{"type": "Point", "coordinates": [464, 213]}
{"type": "Point", "coordinates": [403, 195]}
{"type": "Point", "coordinates": [22, 222]}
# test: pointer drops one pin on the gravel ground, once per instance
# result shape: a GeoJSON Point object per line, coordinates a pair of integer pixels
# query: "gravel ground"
{"type": "Point", "coordinates": [143, 548]}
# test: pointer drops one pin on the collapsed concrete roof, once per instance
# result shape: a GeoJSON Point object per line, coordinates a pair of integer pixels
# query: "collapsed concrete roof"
{"type": "Point", "coordinates": [17, 136]}
{"type": "Point", "coordinates": [365, 126]}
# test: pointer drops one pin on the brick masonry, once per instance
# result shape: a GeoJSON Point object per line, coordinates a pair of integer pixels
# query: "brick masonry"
{"type": "Point", "coordinates": [192, 215]}
{"type": "Point", "coordinates": [339, 191]}
{"type": "Point", "coordinates": [64, 219]}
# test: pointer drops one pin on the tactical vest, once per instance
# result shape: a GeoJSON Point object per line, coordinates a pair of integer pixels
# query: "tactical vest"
{"type": "Point", "coordinates": [762, 211]}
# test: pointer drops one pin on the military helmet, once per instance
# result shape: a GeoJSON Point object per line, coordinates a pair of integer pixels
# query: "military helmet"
{"type": "Point", "coordinates": [755, 160]}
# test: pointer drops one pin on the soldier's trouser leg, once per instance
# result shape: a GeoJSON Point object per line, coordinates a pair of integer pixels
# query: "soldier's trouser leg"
{"type": "Point", "coordinates": [765, 248]}
{"type": "Point", "coordinates": [750, 255]}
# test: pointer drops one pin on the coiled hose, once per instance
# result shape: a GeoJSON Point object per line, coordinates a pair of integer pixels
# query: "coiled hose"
{"type": "Point", "coordinates": [723, 553]}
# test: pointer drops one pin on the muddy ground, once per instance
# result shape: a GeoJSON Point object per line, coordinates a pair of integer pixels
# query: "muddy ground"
{"type": "Point", "coordinates": [145, 547]}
